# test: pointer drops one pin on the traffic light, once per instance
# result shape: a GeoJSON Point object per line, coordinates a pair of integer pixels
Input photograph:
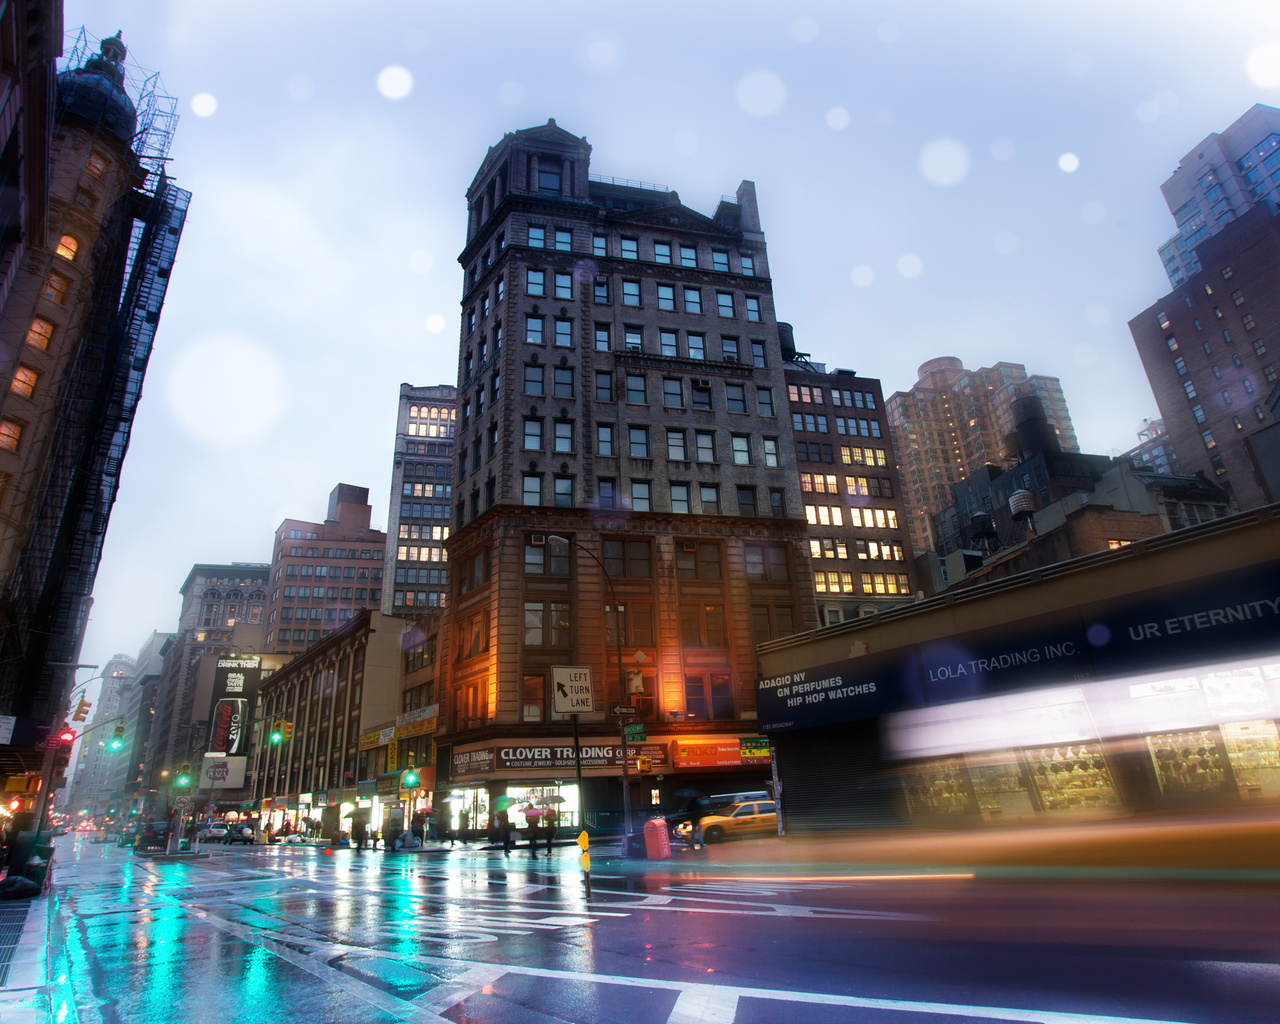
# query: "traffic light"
{"type": "Point", "coordinates": [288, 730]}
{"type": "Point", "coordinates": [277, 731]}
{"type": "Point", "coordinates": [409, 778]}
{"type": "Point", "coordinates": [62, 756]}
{"type": "Point", "coordinates": [82, 711]}
{"type": "Point", "coordinates": [183, 781]}
{"type": "Point", "coordinates": [117, 737]}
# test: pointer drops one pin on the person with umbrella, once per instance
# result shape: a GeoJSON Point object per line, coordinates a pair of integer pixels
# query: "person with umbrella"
{"type": "Point", "coordinates": [697, 807]}
{"type": "Point", "coordinates": [551, 818]}
{"type": "Point", "coordinates": [533, 815]}
{"type": "Point", "coordinates": [505, 829]}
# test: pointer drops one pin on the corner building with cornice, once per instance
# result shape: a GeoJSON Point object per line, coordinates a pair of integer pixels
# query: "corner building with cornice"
{"type": "Point", "coordinates": [625, 488]}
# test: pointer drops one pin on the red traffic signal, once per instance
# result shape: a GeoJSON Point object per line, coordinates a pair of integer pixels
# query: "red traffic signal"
{"type": "Point", "coordinates": [67, 736]}
{"type": "Point", "coordinates": [62, 752]}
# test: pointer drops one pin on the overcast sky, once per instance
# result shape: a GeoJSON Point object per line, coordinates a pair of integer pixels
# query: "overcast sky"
{"type": "Point", "coordinates": [976, 179]}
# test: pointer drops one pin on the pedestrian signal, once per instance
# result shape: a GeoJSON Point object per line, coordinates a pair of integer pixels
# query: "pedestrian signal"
{"type": "Point", "coordinates": [644, 765]}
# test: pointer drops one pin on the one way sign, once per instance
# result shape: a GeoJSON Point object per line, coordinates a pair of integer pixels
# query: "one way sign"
{"type": "Point", "coordinates": [571, 690]}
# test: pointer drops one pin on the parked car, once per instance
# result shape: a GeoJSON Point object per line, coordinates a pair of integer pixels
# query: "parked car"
{"type": "Point", "coordinates": [215, 831]}
{"type": "Point", "coordinates": [152, 835]}
{"type": "Point", "coordinates": [755, 818]}
{"type": "Point", "coordinates": [240, 834]}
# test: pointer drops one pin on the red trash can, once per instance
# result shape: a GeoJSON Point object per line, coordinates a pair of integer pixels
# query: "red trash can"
{"type": "Point", "coordinates": [657, 841]}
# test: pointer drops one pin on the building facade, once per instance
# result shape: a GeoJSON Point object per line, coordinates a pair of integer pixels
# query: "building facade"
{"type": "Point", "coordinates": [1210, 355]}
{"type": "Point", "coordinates": [1154, 450]}
{"type": "Point", "coordinates": [80, 317]}
{"type": "Point", "coordinates": [1221, 179]}
{"type": "Point", "coordinates": [858, 538]}
{"type": "Point", "coordinates": [954, 421]}
{"type": "Point", "coordinates": [323, 574]}
{"type": "Point", "coordinates": [217, 604]}
{"type": "Point", "coordinates": [98, 785]}
{"type": "Point", "coordinates": [625, 490]}
{"type": "Point", "coordinates": [417, 575]}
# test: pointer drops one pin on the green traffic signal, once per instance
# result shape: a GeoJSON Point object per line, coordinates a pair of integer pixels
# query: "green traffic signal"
{"type": "Point", "coordinates": [277, 732]}
{"type": "Point", "coordinates": [409, 779]}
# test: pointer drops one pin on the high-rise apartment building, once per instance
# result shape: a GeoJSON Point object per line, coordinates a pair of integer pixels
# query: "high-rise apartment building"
{"type": "Point", "coordinates": [1210, 353]}
{"type": "Point", "coordinates": [98, 784]}
{"type": "Point", "coordinates": [858, 539]}
{"type": "Point", "coordinates": [954, 421]}
{"type": "Point", "coordinates": [1225, 176]}
{"type": "Point", "coordinates": [417, 575]}
{"type": "Point", "coordinates": [625, 490]}
{"type": "Point", "coordinates": [323, 573]}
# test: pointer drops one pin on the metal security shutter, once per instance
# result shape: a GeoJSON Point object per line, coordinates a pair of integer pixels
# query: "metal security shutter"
{"type": "Point", "coordinates": [834, 779]}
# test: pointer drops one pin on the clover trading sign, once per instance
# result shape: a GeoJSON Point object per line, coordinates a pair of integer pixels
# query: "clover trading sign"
{"type": "Point", "coordinates": [571, 692]}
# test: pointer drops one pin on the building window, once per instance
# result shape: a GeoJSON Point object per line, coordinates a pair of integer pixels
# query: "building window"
{"type": "Point", "coordinates": [735, 396]}
{"type": "Point", "coordinates": [1190, 388]}
{"type": "Point", "coordinates": [633, 339]}
{"type": "Point", "coordinates": [532, 489]}
{"type": "Point", "coordinates": [563, 491]}
{"type": "Point", "coordinates": [599, 245]}
{"type": "Point", "coordinates": [96, 165]}
{"type": "Point", "coordinates": [748, 265]}
{"type": "Point", "coordinates": [666, 296]}
{"type": "Point", "coordinates": [607, 493]}
{"type": "Point", "coordinates": [604, 439]}
{"type": "Point", "coordinates": [758, 355]}
{"type": "Point", "coordinates": [631, 293]}
{"type": "Point", "coordinates": [1180, 365]}
{"type": "Point", "coordinates": [771, 452]}
{"type": "Point", "coordinates": [533, 380]}
{"type": "Point", "coordinates": [534, 690]}
{"type": "Point", "coordinates": [604, 386]}
{"type": "Point", "coordinates": [697, 346]}
{"type": "Point", "coordinates": [549, 180]}
{"type": "Point", "coordinates": [636, 389]}
{"type": "Point", "coordinates": [40, 333]}
{"type": "Point", "coordinates": [533, 435]}
{"type": "Point", "coordinates": [724, 304]}
{"type": "Point", "coordinates": [667, 343]}
{"type": "Point", "coordinates": [537, 237]}
{"type": "Point", "coordinates": [600, 289]}
{"type": "Point", "coordinates": [705, 446]}
{"type": "Point", "coordinates": [1237, 297]}
{"type": "Point", "coordinates": [729, 349]}
{"type": "Point", "coordinates": [661, 252]}
{"type": "Point", "coordinates": [680, 499]}
{"type": "Point", "coordinates": [1269, 372]}
{"type": "Point", "coordinates": [1247, 320]}
{"type": "Point", "coordinates": [741, 450]}
{"type": "Point", "coordinates": [688, 256]}
{"type": "Point", "coordinates": [630, 249]}
{"type": "Point", "coordinates": [697, 561]}
{"type": "Point", "coordinates": [638, 442]}
{"type": "Point", "coordinates": [563, 436]}
{"type": "Point", "coordinates": [747, 501]}
{"type": "Point", "coordinates": [640, 495]}
{"type": "Point", "coordinates": [693, 300]}
{"type": "Point", "coordinates": [533, 330]}
{"type": "Point", "coordinates": [10, 435]}
{"type": "Point", "coordinates": [564, 240]}
{"type": "Point", "coordinates": [564, 333]}
{"type": "Point", "coordinates": [56, 288]}
{"type": "Point", "coordinates": [675, 446]}
{"type": "Point", "coordinates": [535, 282]}
{"type": "Point", "coordinates": [67, 246]}
{"type": "Point", "coordinates": [562, 383]}
{"type": "Point", "coordinates": [630, 559]}
{"type": "Point", "coordinates": [764, 401]}
{"type": "Point", "coordinates": [1259, 347]}
{"type": "Point", "coordinates": [1172, 343]}
{"type": "Point", "coordinates": [602, 338]}
{"type": "Point", "coordinates": [1207, 437]}
{"type": "Point", "coordinates": [709, 498]}
{"type": "Point", "coordinates": [672, 393]}
{"type": "Point", "coordinates": [708, 698]}
{"type": "Point", "coordinates": [753, 308]}
{"type": "Point", "coordinates": [24, 381]}
{"type": "Point", "coordinates": [564, 286]}
{"type": "Point", "coordinates": [546, 624]}
{"type": "Point", "coordinates": [719, 261]}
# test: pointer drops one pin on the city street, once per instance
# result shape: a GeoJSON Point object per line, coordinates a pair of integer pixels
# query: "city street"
{"type": "Point", "coordinates": [466, 935]}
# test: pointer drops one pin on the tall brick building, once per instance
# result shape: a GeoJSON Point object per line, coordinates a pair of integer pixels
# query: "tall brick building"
{"type": "Point", "coordinates": [1209, 349]}
{"type": "Point", "coordinates": [625, 485]}
{"type": "Point", "coordinates": [954, 421]}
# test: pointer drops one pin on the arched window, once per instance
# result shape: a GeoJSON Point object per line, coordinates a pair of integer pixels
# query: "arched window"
{"type": "Point", "coordinates": [212, 595]}
{"type": "Point", "coordinates": [67, 247]}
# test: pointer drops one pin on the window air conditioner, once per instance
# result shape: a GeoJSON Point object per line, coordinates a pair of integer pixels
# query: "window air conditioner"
{"type": "Point", "coordinates": [537, 540]}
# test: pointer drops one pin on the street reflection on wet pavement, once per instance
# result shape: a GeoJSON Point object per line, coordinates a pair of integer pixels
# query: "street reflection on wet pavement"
{"type": "Point", "coordinates": [285, 934]}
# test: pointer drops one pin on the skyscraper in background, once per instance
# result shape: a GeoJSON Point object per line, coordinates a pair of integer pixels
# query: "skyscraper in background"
{"type": "Point", "coordinates": [1225, 176]}
{"type": "Point", "coordinates": [417, 575]}
{"type": "Point", "coordinates": [954, 421]}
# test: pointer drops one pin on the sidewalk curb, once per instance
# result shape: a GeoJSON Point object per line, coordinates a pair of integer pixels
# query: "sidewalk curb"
{"type": "Point", "coordinates": [26, 997]}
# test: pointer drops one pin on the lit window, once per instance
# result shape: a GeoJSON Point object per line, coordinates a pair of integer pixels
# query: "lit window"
{"type": "Point", "coordinates": [24, 382]}
{"type": "Point", "coordinates": [10, 434]}
{"type": "Point", "coordinates": [95, 165]}
{"type": "Point", "coordinates": [40, 333]}
{"type": "Point", "coordinates": [67, 247]}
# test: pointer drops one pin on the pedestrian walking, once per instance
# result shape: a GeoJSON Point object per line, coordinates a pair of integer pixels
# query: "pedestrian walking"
{"type": "Point", "coordinates": [464, 822]}
{"type": "Point", "coordinates": [550, 821]}
{"type": "Point", "coordinates": [505, 830]}
{"type": "Point", "coordinates": [697, 807]}
{"type": "Point", "coordinates": [374, 835]}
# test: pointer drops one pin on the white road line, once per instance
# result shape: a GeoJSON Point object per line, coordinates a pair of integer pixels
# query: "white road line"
{"type": "Point", "coordinates": [705, 1005]}
{"type": "Point", "coordinates": [439, 999]}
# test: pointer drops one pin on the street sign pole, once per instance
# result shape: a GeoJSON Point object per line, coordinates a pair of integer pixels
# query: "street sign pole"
{"type": "Point", "coordinates": [577, 765]}
{"type": "Point", "coordinates": [626, 799]}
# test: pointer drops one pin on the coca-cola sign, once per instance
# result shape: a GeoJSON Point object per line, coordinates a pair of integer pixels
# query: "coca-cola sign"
{"type": "Point", "coordinates": [235, 687]}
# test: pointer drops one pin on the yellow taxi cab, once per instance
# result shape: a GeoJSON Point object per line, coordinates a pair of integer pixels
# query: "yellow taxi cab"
{"type": "Point", "coordinates": [753, 818]}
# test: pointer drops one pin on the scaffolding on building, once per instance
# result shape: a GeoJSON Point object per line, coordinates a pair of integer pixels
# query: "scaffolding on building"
{"type": "Point", "coordinates": [45, 603]}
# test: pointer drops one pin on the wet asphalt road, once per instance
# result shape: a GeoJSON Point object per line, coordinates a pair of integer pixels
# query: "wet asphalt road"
{"type": "Point", "coordinates": [286, 934]}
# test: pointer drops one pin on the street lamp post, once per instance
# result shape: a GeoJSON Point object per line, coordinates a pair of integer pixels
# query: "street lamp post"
{"type": "Point", "coordinates": [47, 773]}
{"type": "Point", "coordinates": [617, 635]}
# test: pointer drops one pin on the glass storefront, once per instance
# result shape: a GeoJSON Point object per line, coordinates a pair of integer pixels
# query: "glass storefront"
{"type": "Point", "coordinates": [536, 803]}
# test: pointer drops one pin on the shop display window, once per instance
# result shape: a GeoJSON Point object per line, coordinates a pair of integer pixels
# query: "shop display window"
{"type": "Point", "coordinates": [1254, 751]}
{"type": "Point", "coordinates": [1189, 762]}
{"type": "Point", "coordinates": [939, 786]}
{"type": "Point", "coordinates": [1072, 777]}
